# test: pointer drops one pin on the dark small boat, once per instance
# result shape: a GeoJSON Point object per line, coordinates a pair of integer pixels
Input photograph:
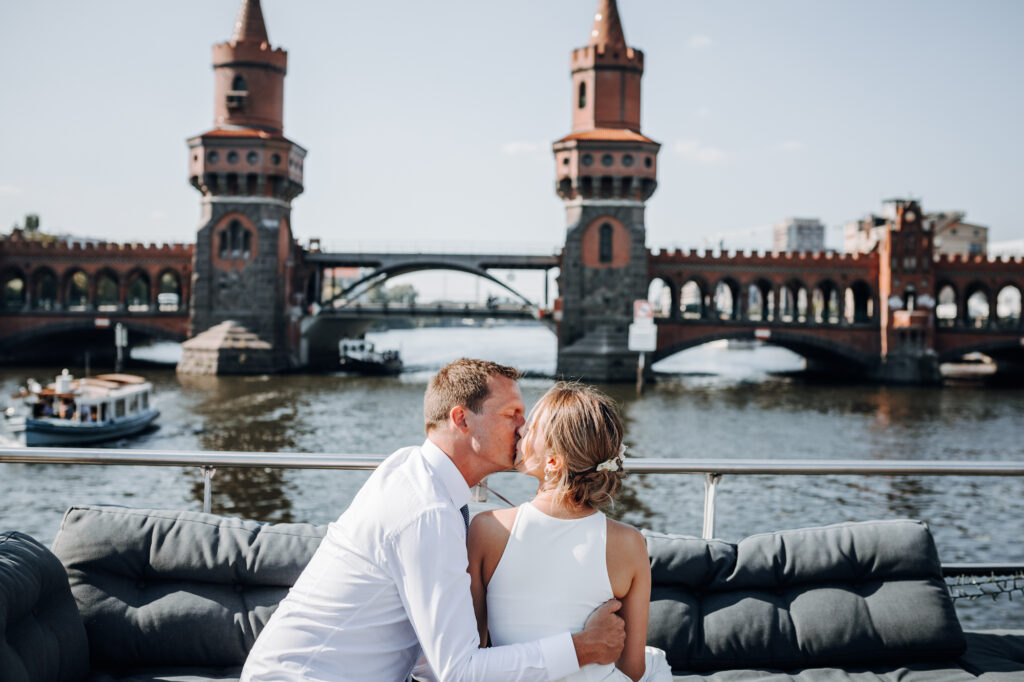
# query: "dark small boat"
{"type": "Point", "coordinates": [360, 356]}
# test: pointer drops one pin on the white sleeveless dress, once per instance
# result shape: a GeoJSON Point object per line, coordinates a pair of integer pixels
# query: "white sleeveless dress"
{"type": "Point", "coordinates": [551, 577]}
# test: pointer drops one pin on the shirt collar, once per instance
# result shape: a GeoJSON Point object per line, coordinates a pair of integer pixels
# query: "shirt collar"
{"type": "Point", "coordinates": [445, 468]}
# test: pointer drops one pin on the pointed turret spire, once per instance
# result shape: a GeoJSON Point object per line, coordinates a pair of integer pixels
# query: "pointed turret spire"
{"type": "Point", "coordinates": [250, 27]}
{"type": "Point", "coordinates": [607, 30]}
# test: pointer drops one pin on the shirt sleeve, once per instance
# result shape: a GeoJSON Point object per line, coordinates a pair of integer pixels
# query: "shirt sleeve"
{"type": "Point", "coordinates": [429, 566]}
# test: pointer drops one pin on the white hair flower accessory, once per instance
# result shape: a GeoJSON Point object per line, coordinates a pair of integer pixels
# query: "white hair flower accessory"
{"type": "Point", "coordinates": [612, 463]}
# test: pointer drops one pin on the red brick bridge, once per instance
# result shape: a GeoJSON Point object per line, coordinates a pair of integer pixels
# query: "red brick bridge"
{"type": "Point", "coordinates": [54, 293]}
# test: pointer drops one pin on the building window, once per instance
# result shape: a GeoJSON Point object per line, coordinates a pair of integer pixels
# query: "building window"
{"type": "Point", "coordinates": [235, 241]}
{"type": "Point", "coordinates": [605, 242]}
{"type": "Point", "coordinates": [238, 93]}
{"type": "Point", "coordinates": [627, 160]}
{"type": "Point", "coordinates": [587, 159]}
{"type": "Point", "coordinates": [583, 95]}
{"type": "Point", "coordinates": [607, 159]}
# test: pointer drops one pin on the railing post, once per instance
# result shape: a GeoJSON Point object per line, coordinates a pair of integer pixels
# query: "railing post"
{"type": "Point", "coordinates": [710, 486]}
{"type": "Point", "coordinates": [208, 473]}
{"type": "Point", "coordinates": [480, 491]}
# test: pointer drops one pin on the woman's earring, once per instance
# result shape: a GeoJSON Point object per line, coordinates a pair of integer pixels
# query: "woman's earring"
{"type": "Point", "coordinates": [549, 473]}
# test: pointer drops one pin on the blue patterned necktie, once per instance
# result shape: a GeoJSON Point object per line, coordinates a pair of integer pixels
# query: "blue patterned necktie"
{"type": "Point", "coordinates": [465, 515]}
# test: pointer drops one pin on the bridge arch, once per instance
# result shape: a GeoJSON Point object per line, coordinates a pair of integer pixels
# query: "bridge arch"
{"type": "Point", "coordinates": [825, 303]}
{"type": "Point", "coordinates": [728, 301]}
{"type": "Point", "coordinates": [13, 289]}
{"type": "Point", "coordinates": [821, 352]}
{"type": "Point", "coordinates": [760, 299]}
{"type": "Point", "coordinates": [977, 305]}
{"type": "Point", "coordinates": [947, 304]}
{"type": "Point", "coordinates": [381, 275]}
{"type": "Point", "coordinates": [107, 294]}
{"type": "Point", "coordinates": [169, 282]}
{"type": "Point", "coordinates": [794, 300]}
{"type": "Point", "coordinates": [84, 332]}
{"type": "Point", "coordinates": [44, 290]}
{"type": "Point", "coordinates": [694, 297]}
{"type": "Point", "coordinates": [860, 302]}
{"type": "Point", "coordinates": [138, 292]}
{"type": "Point", "coordinates": [1008, 305]}
{"type": "Point", "coordinates": [76, 289]}
{"type": "Point", "coordinates": [664, 295]}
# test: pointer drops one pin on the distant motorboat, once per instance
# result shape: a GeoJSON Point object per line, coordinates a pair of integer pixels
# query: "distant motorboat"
{"type": "Point", "coordinates": [360, 356]}
{"type": "Point", "coordinates": [81, 411]}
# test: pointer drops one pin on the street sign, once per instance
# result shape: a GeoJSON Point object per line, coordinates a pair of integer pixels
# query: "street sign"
{"type": "Point", "coordinates": [643, 310]}
{"type": "Point", "coordinates": [643, 337]}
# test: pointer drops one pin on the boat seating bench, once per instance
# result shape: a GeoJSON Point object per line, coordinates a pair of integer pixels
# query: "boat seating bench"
{"type": "Point", "coordinates": [131, 595]}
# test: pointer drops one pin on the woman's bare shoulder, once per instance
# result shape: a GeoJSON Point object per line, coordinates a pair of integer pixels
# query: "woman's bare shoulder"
{"type": "Point", "coordinates": [626, 539]}
{"type": "Point", "coordinates": [494, 525]}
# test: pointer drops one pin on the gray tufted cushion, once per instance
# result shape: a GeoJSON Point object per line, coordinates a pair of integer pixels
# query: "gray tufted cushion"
{"type": "Point", "coordinates": [42, 636]}
{"type": "Point", "coordinates": [853, 593]}
{"type": "Point", "coordinates": [172, 588]}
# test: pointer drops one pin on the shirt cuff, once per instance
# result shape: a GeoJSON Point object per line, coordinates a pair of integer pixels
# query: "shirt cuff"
{"type": "Point", "coordinates": [559, 656]}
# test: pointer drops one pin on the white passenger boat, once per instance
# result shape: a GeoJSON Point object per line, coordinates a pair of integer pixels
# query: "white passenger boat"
{"type": "Point", "coordinates": [78, 411]}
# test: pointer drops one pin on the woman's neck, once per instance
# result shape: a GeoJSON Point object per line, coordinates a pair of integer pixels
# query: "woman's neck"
{"type": "Point", "coordinates": [553, 504]}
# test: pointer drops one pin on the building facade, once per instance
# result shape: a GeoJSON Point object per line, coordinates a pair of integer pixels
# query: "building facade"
{"type": "Point", "coordinates": [798, 234]}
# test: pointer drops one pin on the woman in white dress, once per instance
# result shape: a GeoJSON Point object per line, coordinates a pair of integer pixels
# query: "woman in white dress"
{"type": "Point", "coordinates": [543, 567]}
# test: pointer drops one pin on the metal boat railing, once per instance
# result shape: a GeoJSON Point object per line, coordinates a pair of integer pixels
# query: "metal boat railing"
{"type": "Point", "coordinates": [711, 469]}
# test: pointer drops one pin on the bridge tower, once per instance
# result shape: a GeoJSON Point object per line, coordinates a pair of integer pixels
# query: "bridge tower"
{"type": "Point", "coordinates": [248, 173]}
{"type": "Point", "coordinates": [606, 169]}
{"type": "Point", "coordinates": [906, 282]}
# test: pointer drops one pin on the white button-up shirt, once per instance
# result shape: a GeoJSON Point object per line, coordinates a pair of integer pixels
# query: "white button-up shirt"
{"type": "Point", "coordinates": [389, 578]}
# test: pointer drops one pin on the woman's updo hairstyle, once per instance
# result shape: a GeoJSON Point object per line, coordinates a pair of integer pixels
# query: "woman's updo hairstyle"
{"type": "Point", "coordinates": [582, 426]}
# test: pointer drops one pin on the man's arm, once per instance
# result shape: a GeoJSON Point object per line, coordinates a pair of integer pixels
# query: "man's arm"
{"type": "Point", "coordinates": [429, 567]}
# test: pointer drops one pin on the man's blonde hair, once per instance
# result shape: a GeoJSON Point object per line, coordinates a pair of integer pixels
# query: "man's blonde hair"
{"type": "Point", "coordinates": [463, 382]}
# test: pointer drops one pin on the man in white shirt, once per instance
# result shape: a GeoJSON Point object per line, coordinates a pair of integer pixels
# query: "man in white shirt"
{"type": "Point", "coordinates": [389, 580]}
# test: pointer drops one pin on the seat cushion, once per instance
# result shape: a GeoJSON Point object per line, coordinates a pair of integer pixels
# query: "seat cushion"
{"type": "Point", "coordinates": [42, 635]}
{"type": "Point", "coordinates": [851, 594]}
{"type": "Point", "coordinates": [174, 588]}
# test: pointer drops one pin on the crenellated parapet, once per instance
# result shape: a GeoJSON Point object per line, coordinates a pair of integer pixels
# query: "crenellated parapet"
{"type": "Point", "coordinates": [754, 260]}
{"type": "Point", "coordinates": [14, 248]}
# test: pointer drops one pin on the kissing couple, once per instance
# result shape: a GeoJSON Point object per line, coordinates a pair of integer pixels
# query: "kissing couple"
{"type": "Point", "coordinates": [395, 591]}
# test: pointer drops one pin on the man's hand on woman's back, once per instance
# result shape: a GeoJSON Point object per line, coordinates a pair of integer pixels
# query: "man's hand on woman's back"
{"type": "Point", "coordinates": [603, 636]}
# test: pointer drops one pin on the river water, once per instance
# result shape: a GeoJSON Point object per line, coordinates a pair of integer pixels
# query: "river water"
{"type": "Point", "coordinates": [716, 403]}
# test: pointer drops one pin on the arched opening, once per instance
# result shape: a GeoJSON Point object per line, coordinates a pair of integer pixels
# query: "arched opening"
{"type": "Point", "coordinates": [977, 309]}
{"type": "Point", "coordinates": [77, 291]}
{"type": "Point", "coordinates": [659, 293]}
{"type": "Point", "coordinates": [106, 291]}
{"type": "Point", "coordinates": [138, 291]}
{"type": "Point", "coordinates": [12, 290]}
{"type": "Point", "coordinates": [691, 300]}
{"type": "Point", "coordinates": [605, 243]}
{"type": "Point", "coordinates": [859, 303]}
{"type": "Point", "coordinates": [727, 300]}
{"type": "Point", "coordinates": [238, 84]}
{"type": "Point", "coordinates": [757, 310]}
{"type": "Point", "coordinates": [168, 297]}
{"type": "Point", "coordinates": [825, 303]}
{"type": "Point", "coordinates": [1008, 304]}
{"type": "Point", "coordinates": [581, 100]}
{"type": "Point", "coordinates": [235, 241]}
{"type": "Point", "coordinates": [794, 301]}
{"type": "Point", "coordinates": [946, 313]}
{"type": "Point", "coordinates": [910, 298]}
{"type": "Point", "coordinates": [44, 288]}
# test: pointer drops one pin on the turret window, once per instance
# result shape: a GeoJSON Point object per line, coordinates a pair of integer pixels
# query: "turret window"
{"type": "Point", "coordinates": [235, 241]}
{"type": "Point", "coordinates": [583, 95]}
{"type": "Point", "coordinates": [239, 91]}
{"type": "Point", "coordinates": [605, 243]}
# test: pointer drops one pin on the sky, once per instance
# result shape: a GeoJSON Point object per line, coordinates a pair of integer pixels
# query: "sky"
{"type": "Point", "coordinates": [429, 125]}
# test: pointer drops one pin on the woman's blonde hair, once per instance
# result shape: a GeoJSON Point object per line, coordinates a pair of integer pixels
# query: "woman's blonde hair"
{"type": "Point", "coordinates": [581, 425]}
